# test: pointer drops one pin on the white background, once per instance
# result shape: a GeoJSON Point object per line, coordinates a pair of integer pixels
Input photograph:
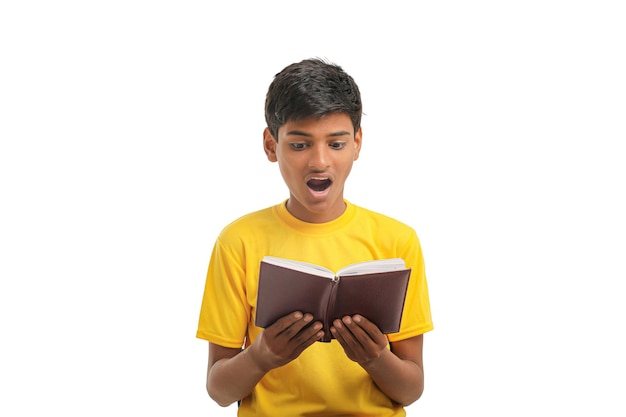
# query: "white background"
{"type": "Point", "coordinates": [131, 134]}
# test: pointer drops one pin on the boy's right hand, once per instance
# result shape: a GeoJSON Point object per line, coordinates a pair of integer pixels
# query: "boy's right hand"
{"type": "Point", "coordinates": [285, 340]}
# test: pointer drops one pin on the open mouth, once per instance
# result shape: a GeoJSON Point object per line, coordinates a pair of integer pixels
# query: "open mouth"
{"type": "Point", "coordinates": [318, 184]}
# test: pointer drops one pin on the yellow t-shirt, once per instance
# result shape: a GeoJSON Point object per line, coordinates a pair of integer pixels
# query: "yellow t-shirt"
{"type": "Point", "coordinates": [322, 380]}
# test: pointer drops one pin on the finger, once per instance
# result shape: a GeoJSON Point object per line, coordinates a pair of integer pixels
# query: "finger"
{"type": "Point", "coordinates": [286, 322]}
{"type": "Point", "coordinates": [355, 328]}
{"type": "Point", "coordinates": [351, 346]}
{"type": "Point", "coordinates": [309, 335]}
{"type": "Point", "coordinates": [340, 333]}
{"type": "Point", "coordinates": [301, 331]}
{"type": "Point", "coordinates": [365, 333]}
{"type": "Point", "coordinates": [370, 328]}
{"type": "Point", "coordinates": [345, 335]}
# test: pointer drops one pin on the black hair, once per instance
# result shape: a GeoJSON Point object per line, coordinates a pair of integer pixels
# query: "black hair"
{"type": "Point", "coordinates": [311, 88]}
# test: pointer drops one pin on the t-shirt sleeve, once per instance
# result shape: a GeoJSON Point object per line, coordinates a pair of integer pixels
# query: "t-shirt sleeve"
{"type": "Point", "coordinates": [416, 317]}
{"type": "Point", "coordinates": [224, 311]}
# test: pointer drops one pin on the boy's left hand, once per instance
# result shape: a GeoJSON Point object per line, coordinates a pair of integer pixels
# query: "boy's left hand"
{"type": "Point", "coordinates": [361, 339]}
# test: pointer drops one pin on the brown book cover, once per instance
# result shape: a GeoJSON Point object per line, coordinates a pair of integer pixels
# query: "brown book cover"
{"type": "Point", "coordinates": [374, 289]}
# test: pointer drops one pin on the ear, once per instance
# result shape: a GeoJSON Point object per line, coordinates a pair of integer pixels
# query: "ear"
{"type": "Point", "coordinates": [358, 139]}
{"type": "Point", "coordinates": [269, 145]}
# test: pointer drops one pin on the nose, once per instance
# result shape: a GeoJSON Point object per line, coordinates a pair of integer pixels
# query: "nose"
{"type": "Point", "coordinates": [319, 157]}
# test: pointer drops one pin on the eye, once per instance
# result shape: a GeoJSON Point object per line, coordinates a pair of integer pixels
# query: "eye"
{"type": "Point", "coordinates": [297, 146]}
{"type": "Point", "coordinates": [337, 145]}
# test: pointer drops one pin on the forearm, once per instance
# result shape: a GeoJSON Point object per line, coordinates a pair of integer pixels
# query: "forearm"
{"type": "Point", "coordinates": [232, 379]}
{"type": "Point", "coordinates": [402, 380]}
{"type": "Point", "coordinates": [233, 373]}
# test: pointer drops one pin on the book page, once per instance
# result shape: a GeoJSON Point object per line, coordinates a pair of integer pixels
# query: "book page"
{"type": "Point", "coordinates": [378, 265]}
{"type": "Point", "coordinates": [300, 266]}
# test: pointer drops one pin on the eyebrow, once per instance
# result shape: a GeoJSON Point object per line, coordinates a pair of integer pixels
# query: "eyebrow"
{"type": "Point", "coordinates": [308, 135]}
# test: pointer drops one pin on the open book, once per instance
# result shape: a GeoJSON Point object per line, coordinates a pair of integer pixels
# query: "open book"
{"type": "Point", "coordinates": [374, 289]}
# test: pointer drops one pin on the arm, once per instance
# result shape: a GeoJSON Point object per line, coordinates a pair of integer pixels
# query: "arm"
{"type": "Point", "coordinates": [232, 373]}
{"type": "Point", "coordinates": [398, 372]}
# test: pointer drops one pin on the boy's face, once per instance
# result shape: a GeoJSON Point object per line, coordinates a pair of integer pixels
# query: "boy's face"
{"type": "Point", "coordinates": [315, 157]}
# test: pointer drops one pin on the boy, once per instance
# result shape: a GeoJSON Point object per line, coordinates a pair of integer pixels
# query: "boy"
{"type": "Point", "coordinates": [313, 113]}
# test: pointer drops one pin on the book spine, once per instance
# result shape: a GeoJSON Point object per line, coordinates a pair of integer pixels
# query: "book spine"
{"type": "Point", "coordinates": [330, 306]}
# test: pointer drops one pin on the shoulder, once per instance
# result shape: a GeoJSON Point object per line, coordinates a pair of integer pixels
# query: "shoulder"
{"type": "Point", "coordinates": [383, 221]}
{"type": "Point", "coordinates": [249, 223]}
{"type": "Point", "coordinates": [388, 236]}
